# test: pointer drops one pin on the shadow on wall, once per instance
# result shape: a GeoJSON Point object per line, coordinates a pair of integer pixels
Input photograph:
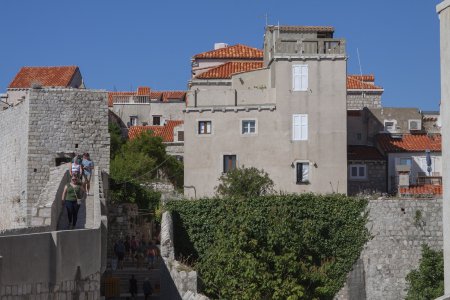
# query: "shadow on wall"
{"type": "Point", "coordinates": [184, 248]}
{"type": "Point", "coordinates": [168, 288]}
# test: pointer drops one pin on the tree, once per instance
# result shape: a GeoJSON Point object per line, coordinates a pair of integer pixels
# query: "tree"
{"type": "Point", "coordinates": [427, 282]}
{"type": "Point", "coordinates": [245, 182]}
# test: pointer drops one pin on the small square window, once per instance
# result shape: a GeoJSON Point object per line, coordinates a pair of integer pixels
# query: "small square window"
{"type": "Point", "coordinates": [248, 126]}
{"type": "Point", "coordinates": [157, 120]}
{"type": "Point", "coordinates": [302, 172]}
{"type": "Point", "coordinates": [358, 172]}
{"type": "Point", "coordinates": [204, 127]}
{"type": "Point", "coordinates": [133, 120]}
{"type": "Point", "coordinates": [229, 163]}
{"type": "Point", "coordinates": [389, 126]}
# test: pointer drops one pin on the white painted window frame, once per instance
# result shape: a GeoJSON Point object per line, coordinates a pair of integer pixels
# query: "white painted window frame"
{"type": "Point", "coordinates": [358, 176]}
{"type": "Point", "coordinates": [300, 71]}
{"type": "Point", "coordinates": [242, 126]}
{"type": "Point", "coordinates": [303, 127]}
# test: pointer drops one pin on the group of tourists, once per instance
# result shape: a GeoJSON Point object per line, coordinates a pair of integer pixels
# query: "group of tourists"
{"type": "Point", "coordinates": [143, 253]}
{"type": "Point", "coordinates": [81, 170]}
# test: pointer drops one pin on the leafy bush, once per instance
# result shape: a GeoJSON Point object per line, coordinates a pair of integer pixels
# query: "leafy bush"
{"type": "Point", "coordinates": [427, 282]}
{"type": "Point", "coordinates": [272, 247]}
{"type": "Point", "coordinates": [245, 182]}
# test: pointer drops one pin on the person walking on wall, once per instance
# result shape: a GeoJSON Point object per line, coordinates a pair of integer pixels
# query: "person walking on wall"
{"type": "Point", "coordinates": [76, 168]}
{"type": "Point", "coordinates": [147, 287]}
{"type": "Point", "coordinates": [88, 167]}
{"type": "Point", "coordinates": [133, 288]}
{"type": "Point", "coordinates": [71, 199]}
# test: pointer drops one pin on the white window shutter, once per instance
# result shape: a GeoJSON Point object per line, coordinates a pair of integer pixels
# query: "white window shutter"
{"type": "Point", "coordinates": [296, 127]}
{"type": "Point", "coordinates": [304, 78]}
{"type": "Point", "coordinates": [304, 127]}
{"type": "Point", "coordinates": [208, 127]}
{"type": "Point", "coordinates": [296, 77]}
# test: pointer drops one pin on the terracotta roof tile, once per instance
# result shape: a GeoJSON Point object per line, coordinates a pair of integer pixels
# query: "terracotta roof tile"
{"type": "Point", "coordinates": [427, 189]}
{"type": "Point", "coordinates": [236, 52]}
{"type": "Point", "coordinates": [44, 76]}
{"type": "Point", "coordinates": [226, 70]}
{"type": "Point", "coordinates": [410, 143]}
{"type": "Point", "coordinates": [357, 152]}
{"type": "Point", "coordinates": [166, 131]}
{"type": "Point", "coordinates": [143, 91]}
{"type": "Point", "coordinates": [364, 82]}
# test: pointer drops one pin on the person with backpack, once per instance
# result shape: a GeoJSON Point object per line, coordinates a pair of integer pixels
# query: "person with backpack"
{"type": "Point", "coordinates": [71, 199]}
{"type": "Point", "coordinates": [76, 167]}
{"type": "Point", "coordinates": [88, 167]}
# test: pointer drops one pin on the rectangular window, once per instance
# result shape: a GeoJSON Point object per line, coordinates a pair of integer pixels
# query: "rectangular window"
{"type": "Point", "coordinates": [248, 126]}
{"type": "Point", "coordinates": [133, 120]}
{"type": "Point", "coordinates": [204, 127]}
{"type": "Point", "coordinates": [229, 163]}
{"type": "Point", "coordinates": [157, 120]}
{"type": "Point", "coordinates": [405, 161]}
{"type": "Point", "coordinates": [358, 171]}
{"type": "Point", "coordinates": [299, 127]}
{"type": "Point", "coordinates": [302, 172]}
{"type": "Point", "coordinates": [389, 126]}
{"type": "Point", "coordinates": [181, 136]}
{"type": "Point", "coordinates": [300, 77]}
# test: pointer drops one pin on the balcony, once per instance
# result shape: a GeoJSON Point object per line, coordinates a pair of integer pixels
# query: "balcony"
{"type": "Point", "coordinates": [121, 99]}
{"type": "Point", "coordinates": [313, 47]}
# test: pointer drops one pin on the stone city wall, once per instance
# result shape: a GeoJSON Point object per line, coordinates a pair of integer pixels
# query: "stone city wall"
{"type": "Point", "coordinates": [64, 121]}
{"type": "Point", "coordinates": [13, 167]}
{"type": "Point", "coordinates": [178, 281]}
{"type": "Point", "coordinates": [357, 100]}
{"type": "Point", "coordinates": [399, 228]}
{"type": "Point", "coordinates": [56, 264]}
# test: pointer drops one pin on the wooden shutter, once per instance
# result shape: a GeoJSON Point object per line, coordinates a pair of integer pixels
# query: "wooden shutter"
{"type": "Point", "coordinates": [304, 127]}
{"type": "Point", "coordinates": [304, 78]}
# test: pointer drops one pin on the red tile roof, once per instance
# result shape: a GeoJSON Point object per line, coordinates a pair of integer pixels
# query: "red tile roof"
{"type": "Point", "coordinates": [235, 52]}
{"type": "Point", "coordinates": [357, 152]}
{"type": "Point", "coordinates": [166, 131]}
{"type": "Point", "coordinates": [364, 82]}
{"type": "Point", "coordinates": [427, 189]}
{"type": "Point", "coordinates": [226, 70]}
{"type": "Point", "coordinates": [164, 96]}
{"type": "Point", "coordinates": [44, 76]}
{"type": "Point", "coordinates": [410, 143]}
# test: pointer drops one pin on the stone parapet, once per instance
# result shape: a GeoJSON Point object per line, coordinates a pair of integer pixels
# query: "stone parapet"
{"type": "Point", "coordinates": [179, 280]}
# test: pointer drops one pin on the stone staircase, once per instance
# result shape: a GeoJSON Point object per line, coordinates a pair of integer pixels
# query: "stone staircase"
{"type": "Point", "coordinates": [129, 268]}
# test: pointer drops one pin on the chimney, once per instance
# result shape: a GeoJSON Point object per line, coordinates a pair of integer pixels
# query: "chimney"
{"type": "Point", "coordinates": [220, 45]}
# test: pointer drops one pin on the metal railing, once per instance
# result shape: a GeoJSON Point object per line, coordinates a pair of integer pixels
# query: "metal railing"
{"type": "Point", "coordinates": [119, 99]}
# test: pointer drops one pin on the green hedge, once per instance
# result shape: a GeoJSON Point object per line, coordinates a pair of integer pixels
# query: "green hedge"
{"type": "Point", "coordinates": [273, 247]}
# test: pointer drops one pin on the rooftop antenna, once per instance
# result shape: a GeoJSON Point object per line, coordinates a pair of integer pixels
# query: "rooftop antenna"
{"type": "Point", "coordinates": [360, 72]}
{"type": "Point", "coordinates": [267, 19]}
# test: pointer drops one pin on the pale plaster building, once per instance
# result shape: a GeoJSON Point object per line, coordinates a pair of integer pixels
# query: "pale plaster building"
{"type": "Point", "coordinates": [286, 115]}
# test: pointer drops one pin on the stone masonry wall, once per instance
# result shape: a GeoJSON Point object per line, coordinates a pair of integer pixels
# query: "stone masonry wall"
{"type": "Point", "coordinates": [358, 101]}
{"type": "Point", "coordinates": [399, 228]}
{"type": "Point", "coordinates": [375, 182]}
{"type": "Point", "coordinates": [13, 149]}
{"type": "Point", "coordinates": [178, 281]}
{"type": "Point", "coordinates": [64, 121]}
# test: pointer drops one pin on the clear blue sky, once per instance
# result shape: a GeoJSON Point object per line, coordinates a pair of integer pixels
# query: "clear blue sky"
{"type": "Point", "coordinates": [125, 44]}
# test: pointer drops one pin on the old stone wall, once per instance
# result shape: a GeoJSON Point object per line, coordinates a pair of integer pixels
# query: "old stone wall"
{"type": "Point", "coordinates": [13, 167]}
{"type": "Point", "coordinates": [358, 100]}
{"type": "Point", "coordinates": [178, 281]}
{"type": "Point", "coordinates": [399, 228]}
{"type": "Point", "coordinates": [64, 121]}
{"type": "Point", "coordinates": [376, 181]}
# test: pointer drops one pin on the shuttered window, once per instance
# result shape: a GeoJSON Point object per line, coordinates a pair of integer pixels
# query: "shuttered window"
{"type": "Point", "coordinates": [204, 127]}
{"type": "Point", "coordinates": [300, 77]}
{"type": "Point", "coordinates": [181, 136]}
{"type": "Point", "coordinates": [300, 127]}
